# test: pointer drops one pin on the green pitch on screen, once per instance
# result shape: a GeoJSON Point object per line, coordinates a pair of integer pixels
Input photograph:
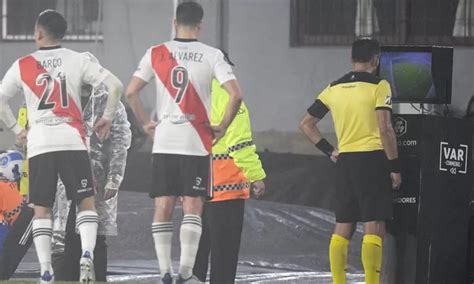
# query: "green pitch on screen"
{"type": "Point", "coordinates": [412, 80]}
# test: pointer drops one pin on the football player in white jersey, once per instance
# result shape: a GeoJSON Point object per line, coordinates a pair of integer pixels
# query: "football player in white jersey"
{"type": "Point", "coordinates": [183, 70]}
{"type": "Point", "coordinates": [51, 79]}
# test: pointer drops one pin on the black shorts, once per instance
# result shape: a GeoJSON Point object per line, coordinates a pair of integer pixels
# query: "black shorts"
{"type": "Point", "coordinates": [74, 169]}
{"type": "Point", "coordinates": [180, 175]}
{"type": "Point", "coordinates": [363, 187]}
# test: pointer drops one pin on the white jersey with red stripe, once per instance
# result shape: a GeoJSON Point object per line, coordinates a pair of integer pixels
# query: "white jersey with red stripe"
{"type": "Point", "coordinates": [51, 80]}
{"type": "Point", "coordinates": [183, 72]}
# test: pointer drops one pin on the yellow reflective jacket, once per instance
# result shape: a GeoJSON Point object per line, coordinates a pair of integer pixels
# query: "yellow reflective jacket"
{"type": "Point", "coordinates": [24, 181]}
{"type": "Point", "coordinates": [235, 161]}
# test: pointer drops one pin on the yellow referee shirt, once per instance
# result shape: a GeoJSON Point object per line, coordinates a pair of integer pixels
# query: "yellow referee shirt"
{"type": "Point", "coordinates": [353, 100]}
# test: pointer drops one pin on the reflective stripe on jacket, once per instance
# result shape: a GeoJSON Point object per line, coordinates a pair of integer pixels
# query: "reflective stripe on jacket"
{"type": "Point", "coordinates": [235, 161]}
{"type": "Point", "coordinates": [10, 202]}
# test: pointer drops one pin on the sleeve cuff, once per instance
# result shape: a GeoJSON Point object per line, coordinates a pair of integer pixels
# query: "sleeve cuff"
{"type": "Point", "coordinates": [16, 129]}
{"type": "Point", "coordinates": [140, 76]}
{"type": "Point", "coordinates": [383, 108]}
{"type": "Point", "coordinates": [222, 81]}
{"type": "Point", "coordinates": [260, 176]}
{"type": "Point", "coordinates": [108, 116]}
{"type": "Point", "coordinates": [318, 109]}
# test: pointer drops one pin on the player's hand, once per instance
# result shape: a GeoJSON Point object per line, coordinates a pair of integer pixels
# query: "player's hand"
{"type": "Point", "coordinates": [218, 132]}
{"type": "Point", "coordinates": [110, 193]}
{"type": "Point", "coordinates": [21, 138]}
{"type": "Point", "coordinates": [334, 155]}
{"type": "Point", "coordinates": [149, 128]}
{"type": "Point", "coordinates": [258, 188]}
{"type": "Point", "coordinates": [102, 128]}
{"type": "Point", "coordinates": [396, 180]}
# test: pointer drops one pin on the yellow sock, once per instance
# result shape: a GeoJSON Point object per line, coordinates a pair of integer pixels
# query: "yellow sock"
{"type": "Point", "coordinates": [372, 258]}
{"type": "Point", "coordinates": [338, 258]}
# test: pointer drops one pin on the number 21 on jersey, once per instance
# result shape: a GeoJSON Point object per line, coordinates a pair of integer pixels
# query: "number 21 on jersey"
{"type": "Point", "coordinates": [48, 82]}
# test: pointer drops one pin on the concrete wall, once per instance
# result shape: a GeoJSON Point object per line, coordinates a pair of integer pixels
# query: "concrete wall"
{"type": "Point", "coordinates": [279, 82]}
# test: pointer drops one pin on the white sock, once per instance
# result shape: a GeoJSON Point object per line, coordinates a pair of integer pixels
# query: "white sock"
{"type": "Point", "coordinates": [42, 234]}
{"type": "Point", "coordinates": [190, 234]}
{"type": "Point", "coordinates": [162, 235]}
{"type": "Point", "coordinates": [86, 223]}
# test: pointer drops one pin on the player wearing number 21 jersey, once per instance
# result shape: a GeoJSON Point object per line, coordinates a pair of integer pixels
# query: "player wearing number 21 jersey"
{"type": "Point", "coordinates": [50, 80]}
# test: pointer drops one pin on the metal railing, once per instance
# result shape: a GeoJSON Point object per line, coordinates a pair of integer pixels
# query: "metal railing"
{"type": "Point", "coordinates": [83, 17]}
{"type": "Point", "coordinates": [339, 22]}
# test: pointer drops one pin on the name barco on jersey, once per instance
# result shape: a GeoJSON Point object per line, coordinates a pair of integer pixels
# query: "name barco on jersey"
{"type": "Point", "coordinates": [186, 56]}
{"type": "Point", "coordinates": [49, 63]}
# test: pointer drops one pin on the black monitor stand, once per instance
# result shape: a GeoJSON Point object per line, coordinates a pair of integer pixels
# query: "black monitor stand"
{"type": "Point", "coordinates": [431, 209]}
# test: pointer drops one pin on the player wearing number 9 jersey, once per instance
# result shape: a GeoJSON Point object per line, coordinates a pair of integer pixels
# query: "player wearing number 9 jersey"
{"type": "Point", "coordinates": [50, 80]}
{"type": "Point", "coordinates": [183, 70]}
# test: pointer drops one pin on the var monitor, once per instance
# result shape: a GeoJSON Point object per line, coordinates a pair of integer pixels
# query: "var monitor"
{"type": "Point", "coordinates": [418, 74]}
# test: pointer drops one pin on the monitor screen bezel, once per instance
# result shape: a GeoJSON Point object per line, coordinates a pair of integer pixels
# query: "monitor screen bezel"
{"type": "Point", "coordinates": [441, 97]}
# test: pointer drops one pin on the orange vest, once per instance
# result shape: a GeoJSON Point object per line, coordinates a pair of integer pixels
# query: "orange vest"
{"type": "Point", "coordinates": [10, 202]}
{"type": "Point", "coordinates": [228, 182]}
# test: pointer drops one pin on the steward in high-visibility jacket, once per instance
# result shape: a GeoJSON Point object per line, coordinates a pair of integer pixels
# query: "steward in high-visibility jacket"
{"type": "Point", "coordinates": [19, 213]}
{"type": "Point", "coordinates": [235, 167]}
{"type": "Point", "coordinates": [235, 162]}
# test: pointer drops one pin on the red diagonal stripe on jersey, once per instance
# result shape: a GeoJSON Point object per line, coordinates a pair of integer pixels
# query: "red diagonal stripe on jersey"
{"type": "Point", "coordinates": [29, 71]}
{"type": "Point", "coordinates": [163, 63]}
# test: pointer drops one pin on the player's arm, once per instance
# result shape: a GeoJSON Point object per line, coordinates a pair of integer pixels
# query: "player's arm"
{"type": "Point", "coordinates": [10, 87]}
{"type": "Point", "coordinates": [389, 142]}
{"type": "Point", "coordinates": [309, 126]}
{"type": "Point", "coordinates": [6, 114]}
{"type": "Point", "coordinates": [383, 109]}
{"type": "Point", "coordinates": [94, 74]}
{"type": "Point", "coordinates": [139, 80]}
{"type": "Point", "coordinates": [103, 124]}
{"type": "Point", "coordinates": [387, 133]}
{"type": "Point", "coordinates": [225, 76]}
{"type": "Point", "coordinates": [132, 93]}
{"type": "Point", "coordinates": [114, 87]}
{"type": "Point", "coordinates": [235, 99]}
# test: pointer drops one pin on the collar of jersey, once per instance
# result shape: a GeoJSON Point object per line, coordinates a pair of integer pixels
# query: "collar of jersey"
{"type": "Point", "coordinates": [185, 39]}
{"type": "Point", "coordinates": [50, 47]}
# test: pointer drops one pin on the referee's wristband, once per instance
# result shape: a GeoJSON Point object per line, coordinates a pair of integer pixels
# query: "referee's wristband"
{"type": "Point", "coordinates": [394, 165]}
{"type": "Point", "coordinates": [325, 147]}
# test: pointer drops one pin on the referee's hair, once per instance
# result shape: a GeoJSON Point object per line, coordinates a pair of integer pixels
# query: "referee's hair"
{"type": "Point", "coordinates": [53, 23]}
{"type": "Point", "coordinates": [189, 14]}
{"type": "Point", "coordinates": [364, 50]}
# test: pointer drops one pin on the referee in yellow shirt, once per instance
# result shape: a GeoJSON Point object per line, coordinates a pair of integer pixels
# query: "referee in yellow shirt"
{"type": "Point", "coordinates": [367, 162]}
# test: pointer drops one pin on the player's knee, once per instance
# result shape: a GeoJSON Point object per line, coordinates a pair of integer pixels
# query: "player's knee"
{"type": "Point", "coordinates": [344, 230]}
{"type": "Point", "coordinates": [87, 203]}
{"type": "Point", "coordinates": [43, 212]}
{"type": "Point", "coordinates": [193, 205]}
{"type": "Point", "coordinates": [375, 228]}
